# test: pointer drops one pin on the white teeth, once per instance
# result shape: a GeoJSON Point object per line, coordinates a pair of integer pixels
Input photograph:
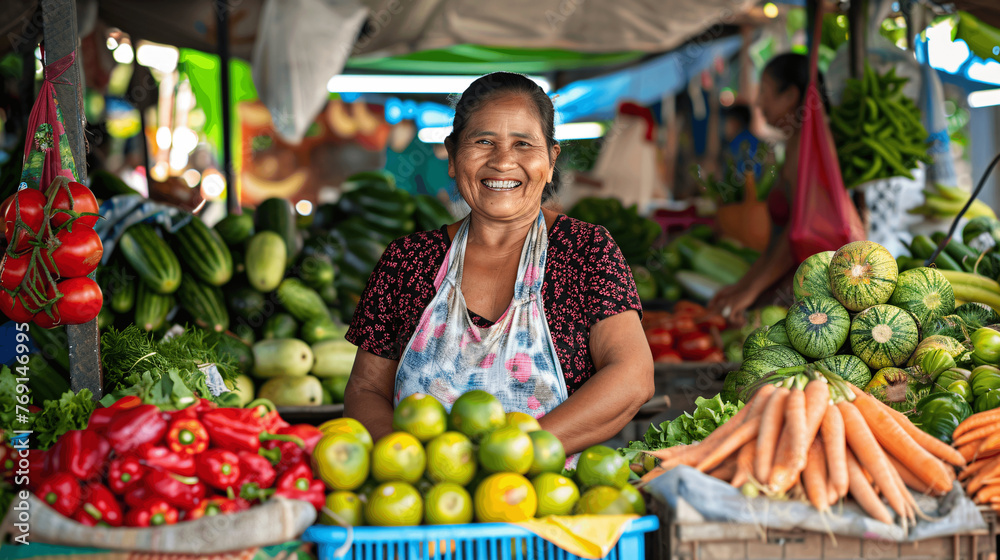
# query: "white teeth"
{"type": "Point", "coordinates": [501, 185]}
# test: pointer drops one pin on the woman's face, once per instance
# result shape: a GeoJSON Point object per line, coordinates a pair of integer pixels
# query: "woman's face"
{"type": "Point", "coordinates": [777, 106]}
{"type": "Point", "coordinates": [501, 162]}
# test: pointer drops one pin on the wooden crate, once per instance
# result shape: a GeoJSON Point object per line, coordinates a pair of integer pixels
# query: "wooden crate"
{"type": "Point", "coordinates": [733, 541]}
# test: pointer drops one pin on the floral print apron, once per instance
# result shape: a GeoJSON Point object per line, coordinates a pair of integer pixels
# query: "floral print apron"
{"type": "Point", "coordinates": [514, 360]}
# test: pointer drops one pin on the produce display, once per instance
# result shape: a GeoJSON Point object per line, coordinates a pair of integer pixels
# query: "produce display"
{"type": "Point", "coordinates": [976, 439]}
{"type": "Point", "coordinates": [813, 436]}
{"type": "Point", "coordinates": [51, 248]}
{"type": "Point", "coordinates": [689, 333]}
{"type": "Point", "coordinates": [137, 465]}
{"type": "Point", "coordinates": [271, 293]}
{"type": "Point", "coordinates": [878, 131]}
{"type": "Point", "coordinates": [474, 463]}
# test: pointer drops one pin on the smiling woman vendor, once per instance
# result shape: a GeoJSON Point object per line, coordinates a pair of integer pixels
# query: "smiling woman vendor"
{"type": "Point", "coordinates": [529, 305]}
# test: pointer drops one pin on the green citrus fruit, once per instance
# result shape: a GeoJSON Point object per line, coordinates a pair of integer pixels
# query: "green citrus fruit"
{"type": "Point", "coordinates": [347, 506]}
{"type": "Point", "coordinates": [556, 494]}
{"type": "Point", "coordinates": [340, 461]}
{"type": "Point", "coordinates": [398, 457]}
{"type": "Point", "coordinates": [420, 415]}
{"type": "Point", "coordinates": [451, 458]}
{"type": "Point", "coordinates": [549, 455]}
{"type": "Point", "coordinates": [394, 504]}
{"type": "Point", "coordinates": [526, 422]}
{"type": "Point", "coordinates": [505, 497]}
{"type": "Point", "coordinates": [506, 449]}
{"type": "Point", "coordinates": [634, 499]}
{"type": "Point", "coordinates": [602, 500]}
{"type": "Point", "coordinates": [601, 466]}
{"type": "Point", "coordinates": [476, 414]}
{"type": "Point", "coordinates": [447, 503]}
{"type": "Point", "coordinates": [348, 426]}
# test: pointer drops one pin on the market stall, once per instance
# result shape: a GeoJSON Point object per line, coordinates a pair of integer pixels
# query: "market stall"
{"type": "Point", "coordinates": [187, 312]}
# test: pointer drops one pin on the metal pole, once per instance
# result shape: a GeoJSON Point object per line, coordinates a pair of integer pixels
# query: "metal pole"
{"type": "Point", "coordinates": [59, 33]}
{"type": "Point", "coordinates": [232, 193]}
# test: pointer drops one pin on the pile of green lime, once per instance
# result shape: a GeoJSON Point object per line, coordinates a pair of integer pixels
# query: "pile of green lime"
{"type": "Point", "coordinates": [475, 463]}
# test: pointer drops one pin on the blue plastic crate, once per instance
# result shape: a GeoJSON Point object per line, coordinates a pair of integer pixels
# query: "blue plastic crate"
{"type": "Point", "coordinates": [475, 541]}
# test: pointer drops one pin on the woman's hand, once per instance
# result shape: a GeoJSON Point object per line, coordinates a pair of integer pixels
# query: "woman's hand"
{"type": "Point", "coordinates": [602, 406]}
{"type": "Point", "coordinates": [732, 301]}
{"type": "Point", "coordinates": [368, 395]}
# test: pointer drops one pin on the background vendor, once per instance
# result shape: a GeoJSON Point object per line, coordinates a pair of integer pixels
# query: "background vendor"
{"type": "Point", "coordinates": [529, 305]}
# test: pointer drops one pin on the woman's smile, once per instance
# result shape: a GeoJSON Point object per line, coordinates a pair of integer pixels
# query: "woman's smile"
{"type": "Point", "coordinates": [500, 185]}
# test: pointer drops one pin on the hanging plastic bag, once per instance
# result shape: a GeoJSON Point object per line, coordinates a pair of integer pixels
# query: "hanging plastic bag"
{"type": "Point", "coordinates": [47, 153]}
{"type": "Point", "coordinates": [823, 216]}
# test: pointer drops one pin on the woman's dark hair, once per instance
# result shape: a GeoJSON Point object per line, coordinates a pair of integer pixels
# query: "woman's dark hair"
{"type": "Point", "coordinates": [489, 87]}
{"type": "Point", "coordinates": [792, 69]}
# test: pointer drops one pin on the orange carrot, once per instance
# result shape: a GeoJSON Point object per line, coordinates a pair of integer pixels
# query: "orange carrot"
{"type": "Point", "coordinates": [744, 463]}
{"type": "Point", "coordinates": [835, 446]}
{"type": "Point", "coordinates": [972, 435]}
{"type": "Point", "coordinates": [749, 411]}
{"type": "Point", "coordinates": [817, 395]}
{"type": "Point", "coordinates": [936, 447]}
{"type": "Point", "coordinates": [771, 422]}
{"type": "Point", "coordinates": [730, 445]}
{"type": "Point", "coordinates": [910, 479]}
{"type": "Point", "coordinates": [793, 445]}
{"type": "Point", "coordinates": [978, 481]}
{"type": "Point", "coordinates": [974, 467]}
{"type": "Point", "coordinates": [814, 476]}
{"type": "Point", "coordinates": [863, 444]}
{"type": "Point", "coordinates": [987, 494]}
{"type": "Point", "coordinates": [970, 451]}
{"type": "Point", "coordinates": [726, 470]}
{"type": "Point", "coordinates": [831, 491]}
{"type": "Point", "coordinates": [863, 492]}
{"type": "Point", "coordinates": [899, 444]}
{"type": "Point", "coordinates": [989, 444]}
{"type": "Point", "coordinates": [978, 420]}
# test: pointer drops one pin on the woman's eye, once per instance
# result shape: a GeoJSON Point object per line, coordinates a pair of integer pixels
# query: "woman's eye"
{"type": "Point", "coordinates": [483, 141]}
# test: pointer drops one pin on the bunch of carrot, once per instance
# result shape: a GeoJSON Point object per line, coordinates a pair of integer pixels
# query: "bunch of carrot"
{"type": "Point", "coordinates": [818, 434]}
{"type": "Point", "coordinates": [978, 440]}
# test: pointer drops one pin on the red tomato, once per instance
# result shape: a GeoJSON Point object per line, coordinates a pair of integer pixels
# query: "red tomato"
{"type": "Point", "coordinates": [680, 325]}
{"type": "Point", "coordinates": [14, 309]}
{"type": "Point", "coordinates": [81, 302]}
{"type": "Point", "coordinates": [3, 213]}
{"type": "Point", "coordinates": [705, 322]}
{"type": "Point", "coordinates": [659, 336]}
{"type": "Point", "coordinates": [667, 357]}
{"type": "Point", "coordinates": [695, 346]}
{"type": "Point", "coordinates": [715, 356]}
{"type": "Point", "coordinates": [13, 269]}
{"type": "Point", "coordinates": [31, 203]}
{"type": "Point", "coordinates": [685, 307]}
{"type": "Point", "coordinates": [43, 320]}
{"type": "Point", "coordinates": [79, 253]}
{"type": "Point", "coordinates": [83, 201]}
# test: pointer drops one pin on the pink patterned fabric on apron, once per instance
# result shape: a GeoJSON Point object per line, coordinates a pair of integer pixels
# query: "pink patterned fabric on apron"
{"type": "Point", "coordinates": [513, 360]}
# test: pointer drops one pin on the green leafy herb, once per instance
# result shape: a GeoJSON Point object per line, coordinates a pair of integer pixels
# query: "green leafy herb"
{"type": "Point", "coordinates": [688, 428]}
{"type": "Point", "coordinates": [71, 412]}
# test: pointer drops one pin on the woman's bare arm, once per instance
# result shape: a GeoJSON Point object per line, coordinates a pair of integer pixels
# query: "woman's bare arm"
{"type": "Point", "coordinates": [368, 396]}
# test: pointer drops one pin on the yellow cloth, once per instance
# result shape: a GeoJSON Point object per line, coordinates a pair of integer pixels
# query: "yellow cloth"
{"type": "Point", "coordinates": [587, 536]}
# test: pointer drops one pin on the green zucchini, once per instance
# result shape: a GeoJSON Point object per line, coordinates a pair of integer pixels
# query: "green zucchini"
{"type": "Point", "coordinates": [277, 215]}
{"type": "Point", "coordinates": [303, 302]}
{"type": "Point", "coordinates": [204, 303]}
{"type": "Point", "coordinates": [152, 259]}
{"type": "Point", "coordinates": [151, 308]}
{"type": "Point", "coordinates": [246, 303]}
{"type": "Point", "coordinates": [204, 252]}
{"type": "Point", "coordinates": [280, 325]}
{"type": "Point", "coordinates": [317, 271]}
{"type": "Point", "coordinates": [118, 284]}
{"type": "Point", "coordinates": [964, 255]}
{"type": "Point", "coordinates": [265, 260]}
{"type": "Point", "coordinates": [922, 248]}
{"type": "Point", "coordinates": [235, 228]}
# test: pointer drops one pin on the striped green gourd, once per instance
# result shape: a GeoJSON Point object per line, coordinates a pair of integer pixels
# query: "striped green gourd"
{"type": "Point", "coordinates": [817, 326]}
{"type": "Point", "coordinates": [151, 258]}
{"type": "Point", "coordinates": [884, 336]}
{"type": "Point", "coordinates": [812, 278]}
{"type": "Point", "coordinates": [303, 302]}
{"type": "Point", "coordinates": [204, 303]}
{"type": "Point", "coordinates": [925, 292]}
{"type": "Point", "coordinates": [862, 274]}
{"type": "Point", "coordinates": [763, 363]}
{"type": "Point", "coordinates": [851, 368]}
{"type": "Point", "coordinates": [151, 308]}
{"type": "Point", "coordinates": [235, 229]}
{"type": "Point", "coordinates": [763, 337]}
{"type": "Point", "coordinates": [204, 252]}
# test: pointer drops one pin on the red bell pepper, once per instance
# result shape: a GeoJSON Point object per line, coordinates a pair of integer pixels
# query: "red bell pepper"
{"type": "Point", "coordinates": [255, 469]}
{"type": "Point", "coordinates": [123, 472]}
{"type": "Point", "coordinates": [62, 492]}
{"type": "Point", "coordinates": [165, 459]}
{"type": "Point", "coordinates": [187, 435]}
{"type": "Point", "coordinates": [312, 491]}
{"type": "Point", "coordinates": [81, 453]}
{"type": "Point", "coordinates": [194, 411]}
{"type": "Point", "coordinates": [690, 308]}
{"type": "Point", "coordinates": [151, 513]}
{"type": "Point", "coordinates": [137, 494]}
{"type": "Point", "coordinates": [213, 506]}
{"type": "Point", "coordinates": [297, 476]}
{"type": "Point", "coordinates": [291, 453]}
{"type": "Point", "coordinates": [183, 492]}
{"type": "Point", "coordinates": [267, 414]}
{"type": "Point", "coordinates": [240, 429]}
{"type": "Point", "coordinates": [101, 418]}
{"type": "Point", "coordinates": [710, 321]}
{"type": "Point", "coordinates": [137, 427]}
{"type": "Point", "coordinates": [219, 468]}
{"type": "Point", "coordinates": [84, 518]}
{"type": "Point", "coordinates": [100, 504]}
